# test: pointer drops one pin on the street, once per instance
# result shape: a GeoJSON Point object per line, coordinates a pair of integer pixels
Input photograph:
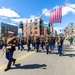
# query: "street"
{"type": "Point", "coordinates": [32, 63]}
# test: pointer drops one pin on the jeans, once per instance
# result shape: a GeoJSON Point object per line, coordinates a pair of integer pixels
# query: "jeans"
{"type": "Point", "coordinates": [59, 50]}
{"type": "Point", "coordinates": [9, 56]}
{"type": "Point", "coordinates": [28, 46]}
{"type": "Point", "coordinates": [47, 48]}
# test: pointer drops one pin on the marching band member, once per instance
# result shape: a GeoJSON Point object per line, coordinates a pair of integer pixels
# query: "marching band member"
{"type": "Point", "coordinates": [47, 43]}
{"type": "Point", "coordinates": [28, 43]}
{"type": "Point", "coordinates": [59, 45]}
{"type": "Point", "coordinates": [37, 43]}
{"type": "Point", "coordinates": [10, 48]}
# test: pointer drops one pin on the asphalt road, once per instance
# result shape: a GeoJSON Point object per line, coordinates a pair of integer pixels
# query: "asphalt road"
{"type": "Point", "coordinates": [32, 63]}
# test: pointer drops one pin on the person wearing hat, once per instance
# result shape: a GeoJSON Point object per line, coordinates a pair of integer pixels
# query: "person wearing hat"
{"type": "Point", "coordinates": [10, 48]}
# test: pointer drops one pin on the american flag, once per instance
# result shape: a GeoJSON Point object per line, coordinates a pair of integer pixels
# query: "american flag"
{"type": "Point", "coordinates": [56, 15]}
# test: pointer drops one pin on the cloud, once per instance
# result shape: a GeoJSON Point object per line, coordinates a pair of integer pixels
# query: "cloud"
{"type": "Point", "coordinates": [47, 13]}
{"type": "Point", "coordinates": [4, 18]}
{"type": "Point", "coordinates": [18, 20]}
{"type": "Point", "coordinates": [32, 16]}
{"type": "Point", "coordinates": [58, 29]}
{"type": "Point", "coordinates": [12, 24]}
{"type": "Point", "coordinates": [65, 10]}
{"type": "Point", "coordinates": [6, 12]}
{"type": "Point", "coordinates": [46, 22]}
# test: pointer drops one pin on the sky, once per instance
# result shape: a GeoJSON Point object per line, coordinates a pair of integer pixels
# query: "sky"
{"type": "Point", "coordinates": [13, 11]}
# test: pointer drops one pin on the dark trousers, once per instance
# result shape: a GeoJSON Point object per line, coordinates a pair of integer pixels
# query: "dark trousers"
{"type": "Point", "coordinates": [9, 56]}
{"type": "Point", "coordinates": [33, 44]}
{"type": "Point", "coordinates": [42, 45]}
{"type": "Point", "coordinates": [51, 46]}
{"type": "Point", "coordinates": [59, 50]}
{"type": "Point", "coordinates": [18, 46]}
{"type": "Point", "coordinates": [47, 48]}
{"type": "Point", "coordinates": [28, 46]}
{"type": "Point", "coordinates": [37, 47]}
{"type": "Point", "coordinates": [22, 46]}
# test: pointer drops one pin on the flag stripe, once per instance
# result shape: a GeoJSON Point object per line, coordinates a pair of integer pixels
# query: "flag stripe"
{"type": "Point", "coordinates": [56, 15]}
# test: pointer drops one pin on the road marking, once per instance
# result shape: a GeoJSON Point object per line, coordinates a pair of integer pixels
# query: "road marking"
{"type": "Point", "coordinates": [18, 59]}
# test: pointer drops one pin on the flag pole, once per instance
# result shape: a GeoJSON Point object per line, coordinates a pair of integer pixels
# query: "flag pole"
{"type": "Point", "coordinates": [69, 6]}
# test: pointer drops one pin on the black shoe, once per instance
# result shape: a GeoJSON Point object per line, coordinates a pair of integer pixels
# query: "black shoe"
{"type": "Point", "coordinates": [7, 69]}
{"type": "Point", "coordinates": [14, 61]}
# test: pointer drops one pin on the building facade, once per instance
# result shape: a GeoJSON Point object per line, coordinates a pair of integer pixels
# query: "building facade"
{"type": "Point", "coordinates": [5, 28]}
{"type": "Point", "coordinates": [33, 27]}
{"type": "Point", "coordinates": [55, 33]}
{"type": "Point", "coordinates": [69, 30]}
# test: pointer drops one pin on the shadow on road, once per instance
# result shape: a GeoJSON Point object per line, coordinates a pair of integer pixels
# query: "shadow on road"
{"type": "Point", "coordinates": [29, 66]}
{"type": "Point", "coordinates": [70, 55]}
{"type": "Point", "coordinates": [67, 50]}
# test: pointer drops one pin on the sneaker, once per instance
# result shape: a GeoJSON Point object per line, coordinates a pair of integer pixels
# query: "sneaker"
{"type": "Point", "coordinates": [14, 61]}
{"type": "Point", "coordinates": [7, 69]}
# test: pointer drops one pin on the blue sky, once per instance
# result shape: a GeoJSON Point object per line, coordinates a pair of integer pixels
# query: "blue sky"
{"type": "Point", "coordinates": [12, 10]}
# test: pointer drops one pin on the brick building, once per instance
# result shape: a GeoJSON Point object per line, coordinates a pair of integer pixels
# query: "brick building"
{"type": "Point", "coordinates": [5, 28]}
{"type": "Point", "coordinates": [33, 27]}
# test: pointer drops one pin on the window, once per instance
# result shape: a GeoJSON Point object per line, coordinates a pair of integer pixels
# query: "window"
{"type": "Point", "coordinates": [31, 32]}
{"type": "Point", "coordinates": [36, 32]}
{"type": "Point", "coordinates": [26, 32]}
{"type": "Point", "coordinates": [14, 29]}
{"type": "Point", "coordinates": [35, 24]}
{"type": "Point", "coordinates": [8, 28]}
{"type": "Point", "coordinates": [26, 21]}
{"type": "Point", "coordinates": [35, 20]}
{"type": "Point", "coordinates": [30, 28]}
{"type": "Point", "coordinates": [5, 27]}
{"type": "Point", "coordinates": [35, 28]}
{"type": "Point", "coordinates": [30, 20]}
{"type": "Point", "coordinates": [26, 25]}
